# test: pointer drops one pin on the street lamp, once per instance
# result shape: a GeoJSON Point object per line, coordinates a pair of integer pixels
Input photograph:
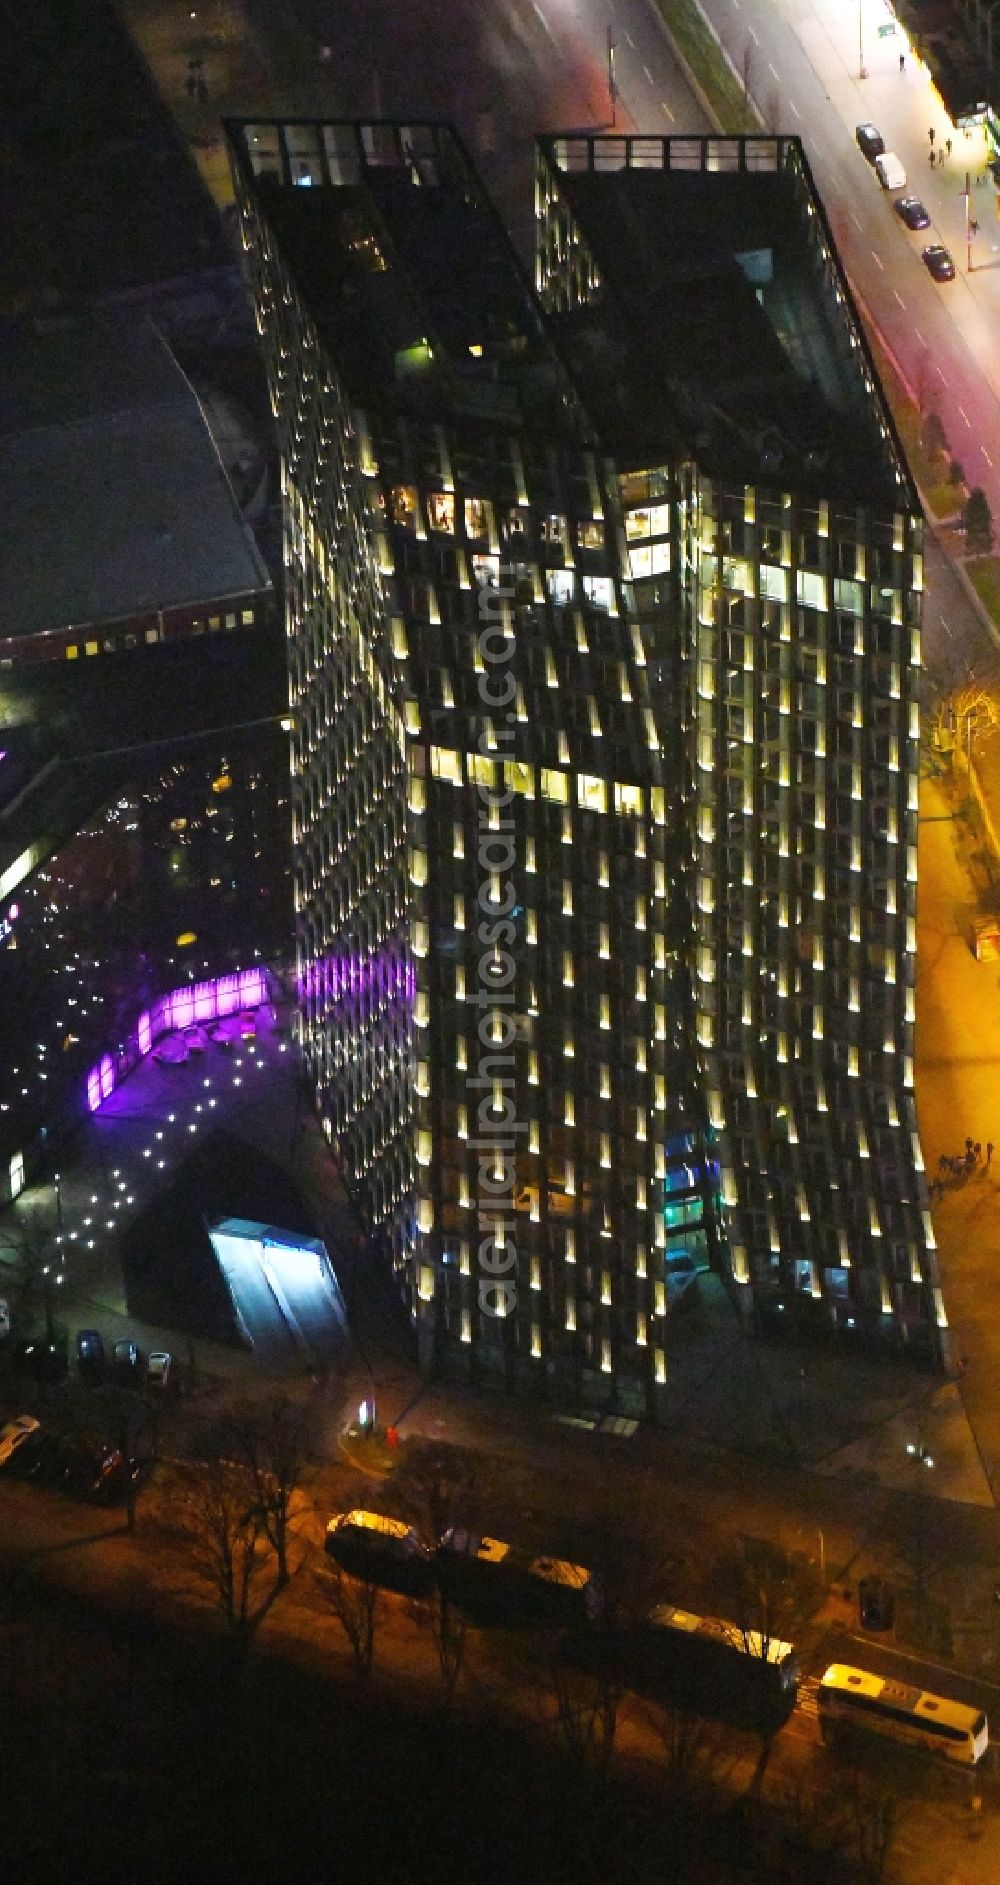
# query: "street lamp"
{"type": "Point", "coordinates": [862, 68]}
{"type": "Point", "coordinates": [612, 87]}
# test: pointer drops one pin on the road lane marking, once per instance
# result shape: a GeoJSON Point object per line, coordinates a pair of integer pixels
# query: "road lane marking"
{"type": "Point", "coordinates": [668, 111]}
{"type": "Point", "coordinates": [794, 108]}
{"type": "Point", "coordinates": [965, 416]}
{"type": "Point", "coordinates": [649, 75]}
{"type": "Point", "coordinates": [880, 263]}
{"type": "Point", "coordinates": [899, 297]}
{"type": "Point", "coordinates": [753, 36]}
{"type": "Point", "coordinates": [855, 221]}
{"type": "Point", "coordinates": [940, 375]}
{"type": "Point", "coordinates": [948, 631]}
{"type": "Point", "coordinates": [631, 41]}
{"type": "Point", "coordinates": [920, 337]}
{"type": "Point", "coordinates": [776, 74]}
{"type": "Point", "coordinates": [987, 457]}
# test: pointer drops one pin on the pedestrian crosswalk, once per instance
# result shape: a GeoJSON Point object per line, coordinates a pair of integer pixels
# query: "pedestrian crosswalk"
{"type": "Point", "coordinates": [807, 1700]}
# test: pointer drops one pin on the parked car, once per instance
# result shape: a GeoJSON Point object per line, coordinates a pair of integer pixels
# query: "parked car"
{"type": "Point", "coordinates": [14, 1435]}
{"type": "Point", "coordinates": [381, 1550]}
{"type": "Point", "coordinates": [876, 1604]}
{"type": "Point", "coordinates": [39, 1461]}
{"type": "Point", "coordinates": [912, 212]}
{"type": "Point", "coordinates": [90, 1471]}
{"type": "Point", "coordinates": [871, 143]}
{"type": "Point", "coordinates": [160, 1371]}
{"type": "Point", "coordinates": [939, 262]}
{"type": "Point", "coordinates": [128, 1365]}
{"type": "Point", "coordinates": [890, 172]}
{"type": "Point", "coordinates": [90, 1356]}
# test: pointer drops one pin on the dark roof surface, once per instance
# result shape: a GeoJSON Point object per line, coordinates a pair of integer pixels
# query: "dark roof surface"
{"type": "Point", "coordinates": [405, 268]}
{"type": "Point", "coordinates": [714, 325]}
{"type": "Point", "coordinates": [113, 500]}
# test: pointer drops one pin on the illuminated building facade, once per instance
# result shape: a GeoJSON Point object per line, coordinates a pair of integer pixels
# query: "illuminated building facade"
{"type": "Point", "coordinates": [520, 606]}
{"type": "Point", "coordinates": [121, 878]}
{"type": "Point", "coordinates": [796, 542]}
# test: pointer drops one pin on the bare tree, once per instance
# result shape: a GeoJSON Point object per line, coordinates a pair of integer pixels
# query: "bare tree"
{"type": "Point", "coordinates": [449, 1629]}
{"type": "Point", "coordinates": [31, 1270]}
{"type": "Point", "coordinates": [359, 1607]}
{"type": "Point", "coordinates": [223, 1529]}
{"type": "Point", "coordinates": [769, 1593]}
{"type": "Point", "coordinates": [436, 1487]}
{"type": "Point", "coordinates": [699, 1753]}
{"type": "Point", "coordinates": [120, 1417]}
{"type": "Point", "coordinates": [273, 1440]}
{"type": "Point", "coordinates": [587, 1701]}
{"type": "Point", "coordinates": [875, 1798]}
{"type": "Point", "coordinates": [961, 701]}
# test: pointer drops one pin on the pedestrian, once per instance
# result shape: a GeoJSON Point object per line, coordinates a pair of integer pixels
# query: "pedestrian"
{"type": "Point", "coordinates": [968, 1145]}
{"type": "Point", "coordinates": [973, 227]}
{"type": "Point", "coordinates": [933, 160]}
{"type": "Point", "coordinates": [902, 62]}
{"type": "Point", "coordinates": [989, 1153]}
{"type": "Point", "coordinates": [978, 1150]}
{"type": "Point", "coordinates": [932, 134]}
{"type": "Point", "coordinates": [947, 145]}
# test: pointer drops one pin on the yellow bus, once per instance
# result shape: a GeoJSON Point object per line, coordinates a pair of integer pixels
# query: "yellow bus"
{"type": "Point", "coordinates": [857, 1699]}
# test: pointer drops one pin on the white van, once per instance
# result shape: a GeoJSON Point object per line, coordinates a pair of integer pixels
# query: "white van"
{"type": "Point", "coordinates": [890, 172]}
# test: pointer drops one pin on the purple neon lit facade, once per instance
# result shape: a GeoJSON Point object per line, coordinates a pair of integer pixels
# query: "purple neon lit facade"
{"type": "Point", "coordinates": [180, 1008]}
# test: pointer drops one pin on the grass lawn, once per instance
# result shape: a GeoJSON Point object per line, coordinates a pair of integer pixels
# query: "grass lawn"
{"type": "Point", "coordinates": [687, 28]}
{"type": "Point", "coordinates": [984, 575]}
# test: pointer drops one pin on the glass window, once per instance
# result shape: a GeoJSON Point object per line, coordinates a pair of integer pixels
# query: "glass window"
{"type": "Point", "coordinates": [554, 531]}
{"type": "Point", "coordinates": [628, 800]}
{"type": "Point", "coordinates": [486, 570]}
{"type": "Point", "coordinates": [555, 785]}
{"type": "Point", "coordinates": [810, 590]}
{"type": "Point", "coordinates": [590, 535]}
{"type": "Point", "coordinates": [476, 517]}
{"type": "Point", "coordinates": [847, 595]}
{"type": "Point", "coordinates": [591, 792]}
{"type": "Point", "coordinates": [559, 583]}
{"type": "Point", "coordinates": [404, 505]}
{"type": "Point", "coordinates": [598, 590]}
{"type": "Point", "coordinates": [441, 510]}
{"type": "Point", "coordinates": [520, 777]}
{"type": "Point", "coordinates": [446, 765]}
{"type": "Point", "coordinates": [773, 583]}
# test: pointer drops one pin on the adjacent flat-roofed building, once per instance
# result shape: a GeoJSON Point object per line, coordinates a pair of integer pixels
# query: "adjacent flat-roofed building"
{"type": "Point", "coordinates": [591, 600]}
{"type": "Point", "coordinates": [118, 525]}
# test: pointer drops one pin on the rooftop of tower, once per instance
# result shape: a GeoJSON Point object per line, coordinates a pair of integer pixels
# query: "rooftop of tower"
{"type": "Point", "coordinates": [720, 320]}
{"type": "Point", "coordinates": [406, 270]}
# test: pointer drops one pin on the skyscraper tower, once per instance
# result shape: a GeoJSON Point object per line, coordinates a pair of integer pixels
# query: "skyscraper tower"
{"type": "Point", "coordinates": [566, 592]}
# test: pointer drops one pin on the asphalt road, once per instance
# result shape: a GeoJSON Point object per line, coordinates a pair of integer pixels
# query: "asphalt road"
{"type": "Point", "coordinates": [942, 335]}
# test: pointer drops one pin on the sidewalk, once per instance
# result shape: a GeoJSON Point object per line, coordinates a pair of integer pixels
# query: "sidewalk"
{"type": "Point", "coordinates": [958, 1095]}
{"type": "Point", "coordinates": [247, 58]}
